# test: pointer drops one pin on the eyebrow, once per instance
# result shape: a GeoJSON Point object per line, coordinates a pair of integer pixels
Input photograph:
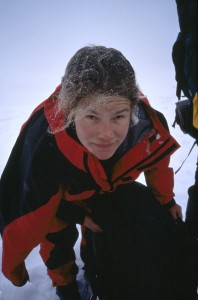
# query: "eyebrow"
{"type": "Point", "coordinates": [116, 113]}
{"type": "Point", "coordinates": [123, 110]}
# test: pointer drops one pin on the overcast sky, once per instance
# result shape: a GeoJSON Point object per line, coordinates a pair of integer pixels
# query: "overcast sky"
{"type": "Point", "coordinates": [38, 37]}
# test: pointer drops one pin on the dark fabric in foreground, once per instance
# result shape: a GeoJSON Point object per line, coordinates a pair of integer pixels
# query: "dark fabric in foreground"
{"type": "Point", "coordinates": [142, 254]}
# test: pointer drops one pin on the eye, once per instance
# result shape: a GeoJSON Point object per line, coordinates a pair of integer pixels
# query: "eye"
{"type": "Point", "coordinates": [119, 117]}
{"type": "Point", "coordinates": [91, 117]}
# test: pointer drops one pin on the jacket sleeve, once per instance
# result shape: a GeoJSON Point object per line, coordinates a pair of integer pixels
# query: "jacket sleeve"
{"type": "Point", "coordinates": [30, 192]}
{"type": "Point", "coordinates": [160, 179]}
{"type": "Point", "coordinates": [70, 212]}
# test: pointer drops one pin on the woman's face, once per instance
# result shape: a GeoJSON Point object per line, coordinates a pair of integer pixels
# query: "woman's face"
{"type": "Point", "coordinates": [103, 127]}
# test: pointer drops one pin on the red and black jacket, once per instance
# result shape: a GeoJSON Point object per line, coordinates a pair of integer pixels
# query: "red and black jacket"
{"type": "Point", "coordinates": [44, 168]}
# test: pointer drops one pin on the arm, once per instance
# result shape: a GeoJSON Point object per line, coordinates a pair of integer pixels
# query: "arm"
{"type": "Point", "coordinates": [29, 195]}
{"type": "Point", "coordinates": [160, 180]}
{"type": "Point", "coordinates": [73, 213]}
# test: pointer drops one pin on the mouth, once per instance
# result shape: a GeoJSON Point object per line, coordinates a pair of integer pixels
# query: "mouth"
{"type": "Point", "coordinates": [104, 146]}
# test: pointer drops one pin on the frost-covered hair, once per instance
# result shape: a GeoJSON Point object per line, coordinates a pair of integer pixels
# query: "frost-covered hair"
{"type": "Point", "coordinates": [96, 71]}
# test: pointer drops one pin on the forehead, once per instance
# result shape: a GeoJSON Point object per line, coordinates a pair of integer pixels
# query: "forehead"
{"type": "Point", "coordinates": [100, 102]}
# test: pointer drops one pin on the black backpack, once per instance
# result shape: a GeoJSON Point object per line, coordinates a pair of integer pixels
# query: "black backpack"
{"type": "Point", "coordinates": [141, 254]}
{"type": "Point", "coordinates": [185, 59]}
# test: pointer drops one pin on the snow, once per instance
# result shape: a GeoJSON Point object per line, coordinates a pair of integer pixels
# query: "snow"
{"type": "Point", "coordinates": [39, 287]}
{"type": "Point", "coordinates": [155, 76]}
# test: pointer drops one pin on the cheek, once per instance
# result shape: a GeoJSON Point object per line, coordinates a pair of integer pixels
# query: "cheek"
{"type": "Point", "coordinates": [124, 130]}
{"type": "Point", "coordinates": [83, 131]}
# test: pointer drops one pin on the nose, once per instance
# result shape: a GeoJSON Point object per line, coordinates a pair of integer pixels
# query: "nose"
{"type": "Point", "coordinates": [105, 131]}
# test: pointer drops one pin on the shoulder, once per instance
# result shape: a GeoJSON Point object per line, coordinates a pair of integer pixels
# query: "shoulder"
{"type": "Point", "coordinates": [162, 118]}
{"type": "Point", "coordinates": [144, 108]}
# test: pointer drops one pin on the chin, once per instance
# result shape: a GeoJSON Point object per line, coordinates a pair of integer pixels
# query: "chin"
{"type": "Point", "coordinates": [103, 156]}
